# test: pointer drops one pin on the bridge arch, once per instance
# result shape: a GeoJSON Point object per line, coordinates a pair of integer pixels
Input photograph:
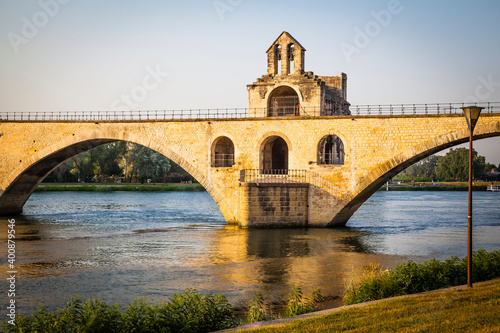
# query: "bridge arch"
{"type": "Point", "coordinates": [369, 184]}
{"type": "Point", "coordinates": [23, 180]}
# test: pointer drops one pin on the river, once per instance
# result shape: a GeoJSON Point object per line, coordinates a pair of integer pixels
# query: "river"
{"type": "Point", "coordinates": [119, 246]}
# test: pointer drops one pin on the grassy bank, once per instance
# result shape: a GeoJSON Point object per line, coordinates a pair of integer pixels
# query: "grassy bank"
{"type": "Point", "coordinates": [456, 310]}
{"type": "Point", "coordinates": [46, 187]}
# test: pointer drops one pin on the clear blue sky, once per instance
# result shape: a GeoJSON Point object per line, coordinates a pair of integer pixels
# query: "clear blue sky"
{"type": "Point", "coordinates": [84, 55]}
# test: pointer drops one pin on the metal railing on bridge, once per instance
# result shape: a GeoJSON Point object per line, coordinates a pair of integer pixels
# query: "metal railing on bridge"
{"type": "Point", "coordinates": [412, 109]}
{"type": "Point", "coordinates": [126, 115]}
{"type": "Point", "coordinates": [231, 113]}
{"type": "Point", "coordinates": [279, 176]}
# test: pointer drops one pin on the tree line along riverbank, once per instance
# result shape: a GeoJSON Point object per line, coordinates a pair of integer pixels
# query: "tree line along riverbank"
{"type": "Point", "coordinates": [166, 187]}
{"type": "Point", "coordinates": [109, 187]}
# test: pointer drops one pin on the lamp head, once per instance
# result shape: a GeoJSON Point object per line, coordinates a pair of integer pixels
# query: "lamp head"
{"type": "Point", "coordinates": [471, 114]}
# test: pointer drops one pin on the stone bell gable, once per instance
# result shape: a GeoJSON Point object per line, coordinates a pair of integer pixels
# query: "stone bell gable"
{"type": "Point", "coordinates": [288, 90]}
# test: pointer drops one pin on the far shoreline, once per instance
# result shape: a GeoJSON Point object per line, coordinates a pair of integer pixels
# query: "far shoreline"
{"type": "Point", "coordinates": [110, 187]}
{"type": "Point", "coordinates": [187, 187]}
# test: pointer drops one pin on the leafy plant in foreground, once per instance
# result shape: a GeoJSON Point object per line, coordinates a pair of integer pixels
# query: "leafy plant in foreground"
{"type": "Point", "coordinates": [188, 311]}
{"type": "Point", "coordinates": [256, 311]}
{"type": "Point", "coordinates": [297, 304]}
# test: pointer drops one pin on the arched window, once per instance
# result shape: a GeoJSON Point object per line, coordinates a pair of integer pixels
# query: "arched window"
{"type": "Point", "coordinates": [331, 150]}
{"type": "Point", "coordinates": [222, 153]}
{"type": "Point", "coordinates": [274, 156]}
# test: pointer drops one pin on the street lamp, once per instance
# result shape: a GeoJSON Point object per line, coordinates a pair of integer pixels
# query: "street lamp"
{"type": "Point", "coordinates": [471, 115]}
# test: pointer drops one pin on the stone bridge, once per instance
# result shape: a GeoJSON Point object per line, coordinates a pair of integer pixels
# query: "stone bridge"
{"type": "Point", "coordinates": [352, 156]}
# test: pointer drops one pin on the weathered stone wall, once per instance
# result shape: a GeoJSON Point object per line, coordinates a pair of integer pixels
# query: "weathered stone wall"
{"type": "Point", "coordinates": [273, 204]}
{"type": "Point", "coordinates": [322, 207]}
{"type": "Point", "coordinates": [311, 90]}
{"type": "Point", "coordinates": [376, 148]}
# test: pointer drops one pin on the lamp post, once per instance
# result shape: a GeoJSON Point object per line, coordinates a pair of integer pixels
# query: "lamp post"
{"type": "Point", "coordinates": [471, 115]}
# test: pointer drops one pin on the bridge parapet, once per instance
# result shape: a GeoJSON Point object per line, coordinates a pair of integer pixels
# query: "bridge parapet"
{"type": "Point", "coordinates": [240, 113]}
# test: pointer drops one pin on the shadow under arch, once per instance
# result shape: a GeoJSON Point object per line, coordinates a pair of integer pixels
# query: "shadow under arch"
{"type": "Point", "coordinates": [369, 184]}
{"type": "Point", "coordinates": [23, 180]}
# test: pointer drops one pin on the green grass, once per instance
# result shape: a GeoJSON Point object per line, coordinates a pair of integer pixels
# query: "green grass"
{"type": "Point", "coordinates": [119, 187]}
{"type": "Point", "coordinates": [463, 310]}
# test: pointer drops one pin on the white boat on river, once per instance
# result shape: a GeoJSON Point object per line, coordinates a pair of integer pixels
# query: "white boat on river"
{"type": "Point", "coordinates": [493, 188]}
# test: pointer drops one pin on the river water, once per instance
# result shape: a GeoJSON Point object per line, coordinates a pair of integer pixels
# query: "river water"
{"type": "Point", "coordinates": [119, 246]}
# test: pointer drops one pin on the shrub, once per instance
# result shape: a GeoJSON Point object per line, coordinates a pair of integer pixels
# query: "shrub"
{"type": "Point", "coordinates": [185, 312]}
{"type": "Point", "coordinates": [190, 312]}
{"type": "Point", "coordinates": [411, 277]}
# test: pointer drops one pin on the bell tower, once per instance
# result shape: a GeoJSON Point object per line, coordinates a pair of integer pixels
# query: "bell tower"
{"type": "Point", "coordinates": [285, 56]}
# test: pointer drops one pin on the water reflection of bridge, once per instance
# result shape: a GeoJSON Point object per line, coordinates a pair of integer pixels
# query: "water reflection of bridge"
{"type": "Point", "coordinates": [274, 260]}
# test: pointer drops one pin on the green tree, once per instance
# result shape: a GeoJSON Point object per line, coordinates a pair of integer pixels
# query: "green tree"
{"type": "Point", "coordinates": [62, 173]}
{"type": "Point", "coordinates": [147, 163]}
{"type": "Point", "coordinates": [455, 165]}
{"type": "Point", "coordinates": [425, 170]}
{"type": "Point", "coordinates": [117, 158]}
{"type": "Point", "coordinates": [107, 158]}
{"type": "Point", "coordinates": [83, 165]}
{"type": "Point", "coordinates": [488, 167]}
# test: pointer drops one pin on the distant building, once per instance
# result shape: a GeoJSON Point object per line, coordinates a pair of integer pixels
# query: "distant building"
{"type": "Point", "coordinates": [491, 176]}
{"type": "Point", "coordinates": [287, 90]}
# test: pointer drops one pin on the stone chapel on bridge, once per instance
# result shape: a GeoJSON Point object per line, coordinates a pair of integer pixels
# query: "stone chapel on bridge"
{"type": "Point", "coordinates": [287, 90]}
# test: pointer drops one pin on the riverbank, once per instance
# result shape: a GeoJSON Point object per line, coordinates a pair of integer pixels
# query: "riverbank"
{"type": "Point", "coordinates": [159, 187]}
{"type": "Point", "coordinates": [455, 309]}
{"type": "Point", "coordinates": [432, 188]}
{"type": "Point", "coordinates": [109, 187]}
{"type": "Point", "coordinates": [440, 186]}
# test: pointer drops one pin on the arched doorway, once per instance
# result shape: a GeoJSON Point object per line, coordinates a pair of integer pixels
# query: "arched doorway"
{"type": "Point", "coordinates": [274, 156]}
{"type": "Point", "coordinates": [283, 102]}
